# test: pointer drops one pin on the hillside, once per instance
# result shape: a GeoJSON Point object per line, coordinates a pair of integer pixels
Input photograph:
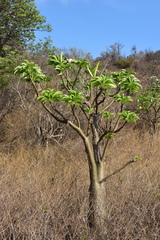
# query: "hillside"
{"type": "Point", "coordinates": [44, 177]}
{"type": "Point", "coordinates": [44, 190]}
{"type": "Point", "coordinates": [44, 173]}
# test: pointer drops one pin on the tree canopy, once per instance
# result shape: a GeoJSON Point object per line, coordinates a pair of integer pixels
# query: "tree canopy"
{"type": "Point", "coordinates": [19, 19]}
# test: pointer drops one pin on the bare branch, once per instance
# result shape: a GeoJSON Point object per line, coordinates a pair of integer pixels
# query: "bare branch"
{"type": "Point", "coordinates": [117, 171]}
{"type": "Point", "coordinates": [118, 129]}
{"type": "Point", "coordinates": [64, 120]}
{"type": "Point", "coordinates": [76, 78]}
{"type": "Point", "coordinates": [96, 98]}
{"type": "Point", "coordinates": [75, 115]}
{"type": "Point", "coordinates": [104, 109]}
{"type": "Point", "coordinates": [77, 129]}
{"type": "Point", "coordinates": [105, 149]}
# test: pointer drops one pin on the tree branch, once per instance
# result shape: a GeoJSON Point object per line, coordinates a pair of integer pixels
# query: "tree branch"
{"type": "Point", "coordinates": [76, 78]}
{"type": "Point", "coordinates": [108, 105]}
{"type": "Point", "coordinates": [64, 120]}
{"type": "Point", "coordinates": [75, 116]}
{"type": "Point", "coordinates": [118, 170]}
{"type": "Point", "coordinates": [77, 129]}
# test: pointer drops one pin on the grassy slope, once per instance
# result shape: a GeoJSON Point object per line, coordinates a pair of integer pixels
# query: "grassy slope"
{"type": "Point", "coordinates": [44, 191]}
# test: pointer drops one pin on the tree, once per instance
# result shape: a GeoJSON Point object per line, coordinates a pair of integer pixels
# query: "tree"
{"type": "Point", "coordinates": [74, 53]}
{"type": "Point", "coordinates": [7, 66]}
{"type": "Point", "coordinates": [93, 104]}
{"type": "Point", "coordinates": [43, 47]}
{"type": "Point", "coordinates": [19, 19]}
{"type": "Point", "coordinates": [149, 104]}
{"type": "Point", "coordinates": [134, 51]}
{"type": "Point", "coordinates": [115, 51]}
{"type": "Point", "coordinates": [123, 63]}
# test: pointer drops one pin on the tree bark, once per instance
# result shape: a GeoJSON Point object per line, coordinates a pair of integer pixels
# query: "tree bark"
{"type": "Point", "coordinates": [97, 215]}
{"type": "Point", "coordinates": [97, 201]}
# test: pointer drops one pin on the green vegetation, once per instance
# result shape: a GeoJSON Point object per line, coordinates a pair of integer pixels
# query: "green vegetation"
{"type": "Point", "coordinates": [85, 129]}
{"type": "Point", "coordinates": [21, 19]}
{"type": "Point", "coordinates": [43, 47]}
{"type": "Point", "coordinates": [149, 104]}
{"type": "Point", "coordinates": [123, 63]}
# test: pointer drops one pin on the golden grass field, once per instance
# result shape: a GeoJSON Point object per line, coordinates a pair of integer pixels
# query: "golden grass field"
{"type": "Point", "coordinates": [44, 190]}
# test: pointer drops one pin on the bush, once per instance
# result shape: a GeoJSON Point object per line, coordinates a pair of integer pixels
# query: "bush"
{"type": "Point", "coordinates": [123, 63]}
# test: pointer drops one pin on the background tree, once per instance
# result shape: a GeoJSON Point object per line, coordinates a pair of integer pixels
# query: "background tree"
{"type": "Point", "coordinates": [149, 105]}
{"type": "Point", "coordinates": [74, 53]}
{"type": "Point", "coordinates": [134, 51]}
{"type": "Point", "coordinates": [18, 22]}
{"type": "Point", "coordinates": [7, 66]}
{"type": "Point", "coordinates": [93, 104]}
{"type": "Point", "coordinates": [115, 50]}
{"type": "Point", "coordinates": [43, 48]}
{"type": "Point", "coordinates": [121, 64]}
{"type": "Point", "coordinates": [110, 57]}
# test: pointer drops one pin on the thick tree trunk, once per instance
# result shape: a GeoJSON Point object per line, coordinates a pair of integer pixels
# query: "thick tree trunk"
{"type": "Point", "coordinates": [97, 201]}
{"type": "Point", "coordinates": [97, 193]}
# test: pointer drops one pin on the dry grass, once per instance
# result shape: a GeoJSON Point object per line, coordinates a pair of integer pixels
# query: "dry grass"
{"type": "Point", "coordinates": [44, 191]}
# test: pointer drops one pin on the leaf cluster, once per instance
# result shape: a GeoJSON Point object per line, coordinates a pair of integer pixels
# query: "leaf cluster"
{"type": "Point", "coordinates": [103, 82]}
{"type": "Point", "coordinates": [29, 71]}
{"type": "Point", "coordinates": [95, 96]}
{"type": "Point", "coordinates": [43, 47]}
{"type": "Point", "coordinates": [127, 81]}
{"type": "Point", "coordinates": [60, 64]}
{"type": "Point", "coordinates": [73, 98]}
{"type": "Point", "coordinates": [128, 116]}
{"type": "Point", "coordinates": [21, 19]}
{"type": "Point", "coordinates": [50, 95]}
{"type": "Point", "coordinates": [7, 66]}
{"type": "Point", "coordinates": [151, 97]}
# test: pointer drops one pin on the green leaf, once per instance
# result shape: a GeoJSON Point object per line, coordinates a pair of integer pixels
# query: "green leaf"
{"type": "Point", "coordinates": [126, 81]}
{"type": "Point", "coordinates": [138, 157]}
{"type": "Point", "coordinates": [56, 60]}
{"type": "Point", "coordinates": [149, 99]}
{"type": "Point", "coordinates": [107, 114]}
{"type": "Point", "coordinates": [82, 63]}
{"type": "Point", "coordinates": [60, 64]}
{"type": "Point", "coordinates": [130, 84]}
{"type": "Point", "coordinates": [109, 135]}
{"type": "Point", "coordinates": [89, 110]}
{"type": "Point", "coordinates": [50, 95]}
{"type": "Point", "coordinates": [29, 71]}
{"type": "Point", "coordinates": [121, 98]}
{"type": "Point", "coordinates": [103, 82]}
{"type": "Point", "coordinates": [73, 98]}
{"type": "Point", "coordinates": [128, 116]}
{"type": "Point", "coordinates": [92, 70]}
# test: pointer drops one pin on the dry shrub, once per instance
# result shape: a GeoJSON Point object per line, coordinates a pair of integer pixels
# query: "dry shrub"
{"type": "Point", "coordinates": [44, 191]}
{"type": "Point", "coordinates": [43, 194]}
{"type": "Point", "coordinates": [134, 193]}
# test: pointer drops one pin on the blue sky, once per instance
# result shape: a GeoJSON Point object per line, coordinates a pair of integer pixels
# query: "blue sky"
{"type": "Point", "coordinates": [93, 25]}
